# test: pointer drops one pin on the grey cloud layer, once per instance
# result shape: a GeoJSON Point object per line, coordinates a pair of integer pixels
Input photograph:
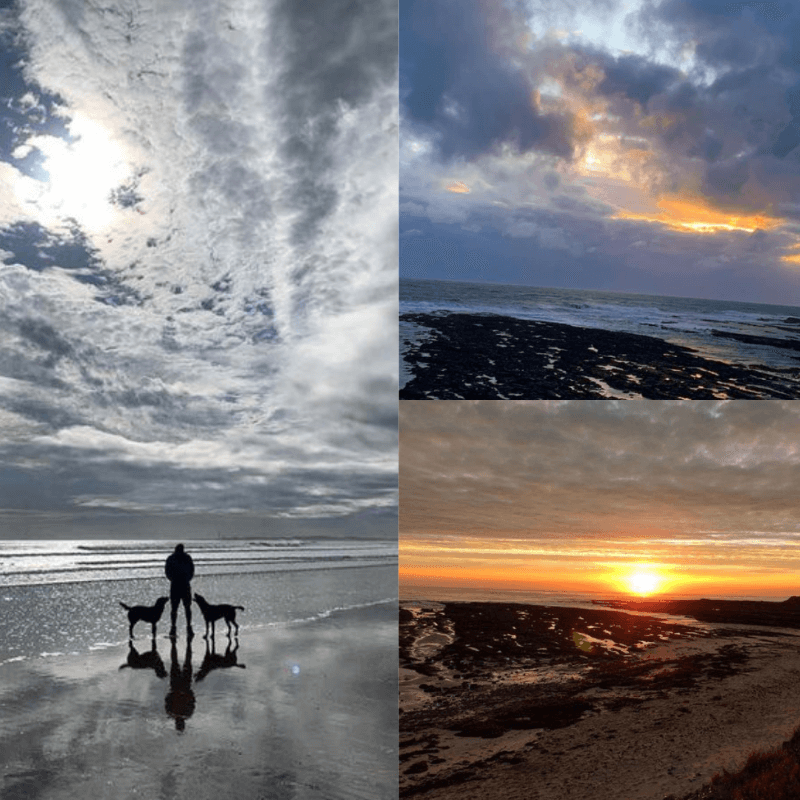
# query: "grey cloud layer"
{"type": "Point", "coordinates": [600, 469]}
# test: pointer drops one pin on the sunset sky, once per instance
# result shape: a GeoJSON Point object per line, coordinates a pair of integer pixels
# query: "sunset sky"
{"type": "Point", "coordinates": [699, 497]}
{"type": "Point", "coordinates": [633, 145]}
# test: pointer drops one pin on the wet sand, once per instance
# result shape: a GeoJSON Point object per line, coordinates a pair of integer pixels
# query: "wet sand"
{"type": "Point", "coordinates": [493, 357]}
{"type": "Point", "coordinates": [515, 701]}
{"type": "Point", "coordinates": [301, 709]}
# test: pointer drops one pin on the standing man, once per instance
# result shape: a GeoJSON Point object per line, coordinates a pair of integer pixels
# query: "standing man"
{"type": "Point", "coordinates": [179, 568]}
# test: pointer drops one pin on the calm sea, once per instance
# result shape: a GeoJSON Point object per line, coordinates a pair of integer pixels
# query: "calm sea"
{"type": "Point", "coordinates": [541, 597]}
{"type": "Point", "coordinates": [62, 597]}
{"type": "Point", "coordinates": [39, 562]}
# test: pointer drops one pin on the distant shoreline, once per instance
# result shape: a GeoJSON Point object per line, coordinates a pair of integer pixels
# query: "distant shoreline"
{"type": "Point", "coordinates": [491, 356]}
{"type": "Point", "coordinates": [785, 614]}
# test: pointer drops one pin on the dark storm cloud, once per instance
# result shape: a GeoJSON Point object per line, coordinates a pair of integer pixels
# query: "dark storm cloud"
{"type": "Point", "coordinates": [637, 79]}
{"type": "Point", "coordinates": [354, 44]}
{"type": "Point", "coordinates": [736, 125]}
{"type": "Point", "coordinates": [749, 113]}
{"type": "Point", "coordinates": [458, 84]}
{"type": "Point", "coordinates": [728, 34]}
{"type": "Point", "coordinates": [628, 76]}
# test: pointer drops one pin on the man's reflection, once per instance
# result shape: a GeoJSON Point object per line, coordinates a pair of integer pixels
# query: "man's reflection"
{"type": "Point", "coordinates": [179, 703]}
{"type": "Point", "coordinates": [180, 700]}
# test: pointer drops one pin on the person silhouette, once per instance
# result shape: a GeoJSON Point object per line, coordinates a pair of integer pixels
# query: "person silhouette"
{"type": "Point", "coordinates": [179, 568]}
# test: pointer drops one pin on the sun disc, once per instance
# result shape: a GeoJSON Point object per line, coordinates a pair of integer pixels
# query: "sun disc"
{"type": "Point", "coordinates": [643, 581]}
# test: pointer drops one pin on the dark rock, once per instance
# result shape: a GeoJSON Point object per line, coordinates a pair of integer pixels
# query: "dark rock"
{"type": "Point", "coordinates": [487, 356]}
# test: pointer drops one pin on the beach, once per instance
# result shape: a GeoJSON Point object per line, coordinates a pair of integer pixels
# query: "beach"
{"type": "Point", "coordinates": [473, 356]}
{"type": "Point", "coordinates": [512, 700]}
{"type": "Point", "coordinates": [302, 704]}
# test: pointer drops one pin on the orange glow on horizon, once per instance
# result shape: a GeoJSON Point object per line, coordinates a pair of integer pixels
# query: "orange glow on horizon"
{"type": "Point", "coordinates": [427, 568]}
{"type": "Point", "coordinates": [694, 215]}
{"type": "Point", "coordinates": [641, 579]}
{"type": "Point", "coordinates": [490, 576]}
{"type": "Point", "coordinates": [780, 585]}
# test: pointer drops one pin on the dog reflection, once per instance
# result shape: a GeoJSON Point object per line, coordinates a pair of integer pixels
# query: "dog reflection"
{"type": "Point", "coordinates": [213, 660]}
{"type": "Point", "coordinates": [179, 702]}
{"type": "Point", "coordinates": [147, 660]}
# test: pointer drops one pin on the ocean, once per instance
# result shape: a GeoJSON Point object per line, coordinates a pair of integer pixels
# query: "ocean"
{"type": "Point", "coordinates": [678, 320]}
{"type": "Point", "coordinates": [417, 593]}
{"type": "Point", "coordinates": [62, 597]}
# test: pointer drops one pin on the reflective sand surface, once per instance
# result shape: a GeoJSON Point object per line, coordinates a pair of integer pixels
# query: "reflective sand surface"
{"type": "Point", "coordinates": [302, 709]}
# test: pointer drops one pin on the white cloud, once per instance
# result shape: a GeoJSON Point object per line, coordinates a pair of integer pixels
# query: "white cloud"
{"type": "Point", "coordinates": [248, 269]}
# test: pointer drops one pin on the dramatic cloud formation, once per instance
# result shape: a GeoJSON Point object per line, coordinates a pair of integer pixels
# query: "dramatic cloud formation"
{"type": "Point", "coordinates": [560, 494]}
{"type": "Point", "coordinates": [199, 247]}
{"type": "Point", "coordinates": [639, 146]}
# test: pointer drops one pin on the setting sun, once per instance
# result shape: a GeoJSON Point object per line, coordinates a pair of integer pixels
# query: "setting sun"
{"type": "Point", "coordinates": [643, 581]}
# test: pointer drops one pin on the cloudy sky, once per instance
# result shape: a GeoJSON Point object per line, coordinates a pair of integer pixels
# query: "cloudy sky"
{"type": "Point", "coordinates": [198, 266]}
{"type": "Point", "coordinates": [580, 494]}
{"type": "Point", "coordinates": [633, 145]}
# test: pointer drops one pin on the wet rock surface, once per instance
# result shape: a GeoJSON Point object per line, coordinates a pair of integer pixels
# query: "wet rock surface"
{"type": "Point", "coordinates": [489, 356]}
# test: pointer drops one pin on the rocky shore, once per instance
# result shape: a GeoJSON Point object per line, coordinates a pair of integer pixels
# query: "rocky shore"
{"type": "Point", "coordinates": [489, 356]}
{"type": "Point", "coordinates": [503, 701]}
{"type": "Point", "coordinates": [739, 612]}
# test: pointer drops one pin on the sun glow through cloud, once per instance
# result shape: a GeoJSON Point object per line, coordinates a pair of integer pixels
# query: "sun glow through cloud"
{"type": "Point", "coordinates": [696, 216]}
{"type": "Point", "coordinates": [82, 175]}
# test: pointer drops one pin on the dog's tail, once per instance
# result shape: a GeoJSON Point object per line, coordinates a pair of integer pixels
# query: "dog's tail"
{"type": "Point", "coordinates": [127, 608]}
{"type": "Point", "coordinates": [241, 608]}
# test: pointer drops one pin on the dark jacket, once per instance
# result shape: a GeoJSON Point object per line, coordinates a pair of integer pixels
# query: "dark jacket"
{"type": "Point", "coordinates": [179, 567]}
